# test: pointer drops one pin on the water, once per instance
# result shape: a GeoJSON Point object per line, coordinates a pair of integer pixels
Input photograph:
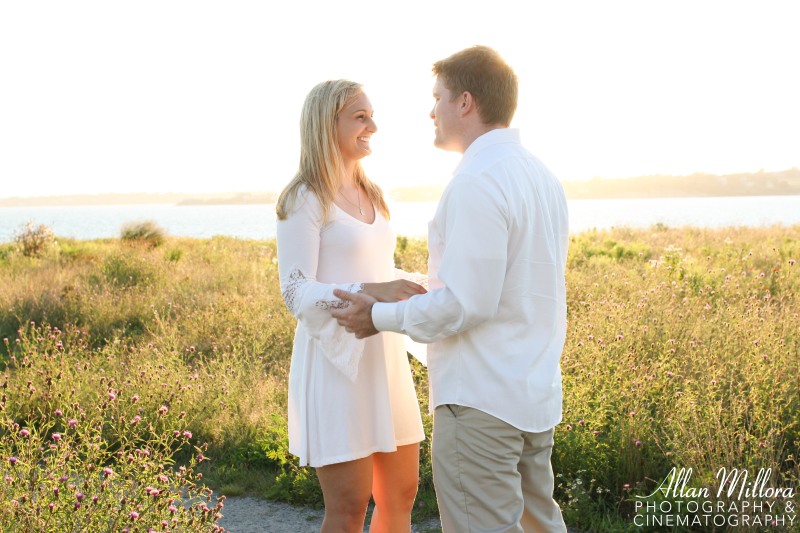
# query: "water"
{"type": "Point", "coordinates": [409, 218]}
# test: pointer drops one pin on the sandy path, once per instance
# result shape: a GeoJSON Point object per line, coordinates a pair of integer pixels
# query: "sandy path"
{"type": "Point", "coordinates": [243, 514]}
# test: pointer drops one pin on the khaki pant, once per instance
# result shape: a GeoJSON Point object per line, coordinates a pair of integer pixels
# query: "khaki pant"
{"type": "Point", "coordinates": [490, 476]}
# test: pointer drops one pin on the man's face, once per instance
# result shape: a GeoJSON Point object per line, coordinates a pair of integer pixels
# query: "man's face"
{"type": "Point", "coordinates": [446, 118]}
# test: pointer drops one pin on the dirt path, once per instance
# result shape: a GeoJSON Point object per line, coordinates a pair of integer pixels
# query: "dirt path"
{"type": "Point", "coordinates": [244, 514]}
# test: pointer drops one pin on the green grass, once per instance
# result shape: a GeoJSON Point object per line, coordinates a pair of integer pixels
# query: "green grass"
{"type": "Point", "coordinates": [682, 350]}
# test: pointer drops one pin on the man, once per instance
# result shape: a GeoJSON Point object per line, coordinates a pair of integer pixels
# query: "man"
{"type": "Point", "coordinates": [495, 314]}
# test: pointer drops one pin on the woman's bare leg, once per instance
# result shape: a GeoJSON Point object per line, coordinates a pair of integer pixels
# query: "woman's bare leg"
{"type": "Point", "coordinates": [346, 489]}
{"type": "Point", "coordinates": [395, 480]}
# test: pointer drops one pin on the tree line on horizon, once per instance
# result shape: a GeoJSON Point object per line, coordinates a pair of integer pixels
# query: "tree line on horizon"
{"type": "Point", "coordinates": [761, 183]}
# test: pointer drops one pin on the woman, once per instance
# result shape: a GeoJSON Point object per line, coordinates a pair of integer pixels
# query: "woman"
{"type": "Point", "coordinates": [353, 411]}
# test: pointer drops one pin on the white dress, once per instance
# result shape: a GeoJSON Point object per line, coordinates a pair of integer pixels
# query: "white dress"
{"type": "Point", "coordinates": [348, 398]}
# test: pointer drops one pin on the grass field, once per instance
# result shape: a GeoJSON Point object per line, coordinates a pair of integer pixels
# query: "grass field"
{"type": "Point", "coordinates": [683, 352]}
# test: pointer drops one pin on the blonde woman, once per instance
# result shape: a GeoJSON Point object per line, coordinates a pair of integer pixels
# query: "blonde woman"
{"type": "Point", "coordinates": [353, 411]}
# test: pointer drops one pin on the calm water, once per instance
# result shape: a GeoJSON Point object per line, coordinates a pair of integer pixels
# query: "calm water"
{"type": "Point", "coordinates": [409, 218]}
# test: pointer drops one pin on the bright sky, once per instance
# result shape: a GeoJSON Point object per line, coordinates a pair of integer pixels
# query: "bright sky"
{"type": "Point", "coordinates": [199, 96]}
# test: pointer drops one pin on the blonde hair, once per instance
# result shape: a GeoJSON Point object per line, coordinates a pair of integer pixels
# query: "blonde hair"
{"type": "Point", "coordinates": [320, 158]}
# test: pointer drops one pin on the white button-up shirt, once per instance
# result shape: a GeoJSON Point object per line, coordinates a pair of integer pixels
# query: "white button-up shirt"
{"type": "Point", "coordinates": [496, 312]}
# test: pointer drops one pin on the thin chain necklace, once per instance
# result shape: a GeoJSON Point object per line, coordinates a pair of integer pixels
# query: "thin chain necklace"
{"type": "Point", "coordinates": [358, 195]}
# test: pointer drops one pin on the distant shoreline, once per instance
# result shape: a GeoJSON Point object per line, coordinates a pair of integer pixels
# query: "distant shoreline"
{"type": "Point", "coordinates": [783, 183]}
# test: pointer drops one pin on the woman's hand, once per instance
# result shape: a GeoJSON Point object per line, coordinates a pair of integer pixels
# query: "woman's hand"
{"type": "Point", "coordinates": [393, 291]}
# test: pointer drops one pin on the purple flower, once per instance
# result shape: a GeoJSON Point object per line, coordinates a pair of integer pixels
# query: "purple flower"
{"type": "Point", "coordinates": [136, 419]}
{"type": "Point", "coordinates": [13, 460]}
{"type": "Point", "coordinates": [72, 423]}
{"type": "Point", "coordinates": [163, 410]}
{"type": "Point", "coordinates": [56, 437]}
{"type": "Point", "coordinates": [59, 412]}
{"type": "Point", "coordinates": [112, 396]}
{"type": "Point", "coordinates": [107, 471]}
{"type": "Point", "coordinates": [134, 515]}
{"type": "Point", "coordinates": [135, 398]}
{"type": "Point", "coordinates": [24, 433]}
{"type": "Point", "coordinates": [187, 434]}
{"type": "Point", "coordinates": [79, 496]}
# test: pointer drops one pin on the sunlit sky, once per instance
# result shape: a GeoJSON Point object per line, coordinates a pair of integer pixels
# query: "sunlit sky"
{"type": "Point", "coordinates": [197, 96]}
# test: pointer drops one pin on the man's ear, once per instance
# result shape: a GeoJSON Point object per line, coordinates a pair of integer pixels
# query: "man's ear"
{"type": "Point", "coordinates": [466, 103]}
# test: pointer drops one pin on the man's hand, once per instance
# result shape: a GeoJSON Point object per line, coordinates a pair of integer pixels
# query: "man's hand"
{"type": "Point", "coordinates": [357, 317]}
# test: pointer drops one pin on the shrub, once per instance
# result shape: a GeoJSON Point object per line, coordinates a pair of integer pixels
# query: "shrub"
{"type": "Point", "coordinates": [34, 240]}
{"type": "Point", "coordinates": [147, 232]}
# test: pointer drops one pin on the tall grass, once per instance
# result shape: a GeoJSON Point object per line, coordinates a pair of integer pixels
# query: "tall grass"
{"type": "Point", "coordinates": [682, 351]}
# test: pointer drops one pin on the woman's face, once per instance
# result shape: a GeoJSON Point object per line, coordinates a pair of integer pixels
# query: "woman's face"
{"type": "Point", "coordinates": [354, 127]}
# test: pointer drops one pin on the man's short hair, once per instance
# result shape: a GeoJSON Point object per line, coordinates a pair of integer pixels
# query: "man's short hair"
{"type": "Point", "coordinates": [480, 71]}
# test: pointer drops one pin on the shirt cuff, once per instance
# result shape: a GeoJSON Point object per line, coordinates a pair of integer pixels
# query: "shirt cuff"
{"type": "Point", "coordinates": [385, 316]}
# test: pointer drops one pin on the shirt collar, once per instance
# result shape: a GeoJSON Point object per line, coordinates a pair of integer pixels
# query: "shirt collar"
{"type": "Point", "coordinates": [490, 138]}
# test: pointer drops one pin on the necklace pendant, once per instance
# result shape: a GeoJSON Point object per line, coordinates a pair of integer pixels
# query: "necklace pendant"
{"type": "Point", "coordinates": [360, 210]}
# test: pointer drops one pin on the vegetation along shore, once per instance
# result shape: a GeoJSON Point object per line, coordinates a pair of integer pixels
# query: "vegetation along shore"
{"type": "Point", "coordinates": [138, 374]}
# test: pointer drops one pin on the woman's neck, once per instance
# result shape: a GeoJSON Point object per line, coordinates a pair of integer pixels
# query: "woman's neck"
{"type": "Point", "coordinates": [347, 180]}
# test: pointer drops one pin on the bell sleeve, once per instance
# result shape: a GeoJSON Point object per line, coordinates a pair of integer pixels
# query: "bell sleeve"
{"type": "Point", "coordinates": [307, 299]}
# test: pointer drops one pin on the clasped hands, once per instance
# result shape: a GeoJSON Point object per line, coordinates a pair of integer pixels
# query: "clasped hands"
{"type": "Point", "coordinates": [357, 317]}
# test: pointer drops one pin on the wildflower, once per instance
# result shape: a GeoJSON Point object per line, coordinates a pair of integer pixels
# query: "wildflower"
{"type": "Point", "coordinates": [13, 460]}
{"type": "Point", "coordinates": [64, 478]}
{"type": "Point", "coordinates": [72, 423]}
{"type": "Point", "coordinates": [172, 509]}
{"type": "Point", "coordinates": [79, 496]}
{"type": "Point", "coordinates": [77, 505]}
{"type": "Point", "coordinates": [580, 422]}
{"type": "Point", "coordinates": [95, 499]}
{"type": "Point", "coordinates": [595, 433]}
{"type": "Point", "coordinates": [50, 506]}
{"type": "Point", "coordinates": [112, 396]}
{"type": "Point", "coordinates": [107, 471]}
{"type": "Point", "coordinates": [134, 515]}
{"type": "Point", "coordinates": [59, 412]}
{"type": "Point", "coordinates": [791, 262]}
{"type": "Point", "coordinates": [24, 433]}
{"type": "Point", "coordinates": [136, 419]}
{"type": "Point", "coordinates": [56, 437]}
{"type": "Point", "coordinates": [626, 486]}
{"type": "Point", "coordinates": [163, 410]}
{"type": "Point", "coordinates": [187, 434]}
{"type": "Point", "coordinates": [637, 442]}
{"type": "Point", "coordinates": [8, 479]}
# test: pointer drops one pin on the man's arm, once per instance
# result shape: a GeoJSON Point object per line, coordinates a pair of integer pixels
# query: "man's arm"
{"type": "Point", "coordinates": [472, 271]}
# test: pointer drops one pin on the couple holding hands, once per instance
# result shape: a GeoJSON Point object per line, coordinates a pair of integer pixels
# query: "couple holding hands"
{"type": "Point", "coordinates": [492, 311]}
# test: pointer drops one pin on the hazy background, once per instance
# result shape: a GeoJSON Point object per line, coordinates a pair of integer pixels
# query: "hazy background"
{"type": "Point", "coordinates": [105, 96]}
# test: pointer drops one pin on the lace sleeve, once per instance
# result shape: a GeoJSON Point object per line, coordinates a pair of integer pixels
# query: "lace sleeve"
{"type": "Point", "coordinates": [306, 298]}
{"type": "Point", "coordinates": [327, 305]}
